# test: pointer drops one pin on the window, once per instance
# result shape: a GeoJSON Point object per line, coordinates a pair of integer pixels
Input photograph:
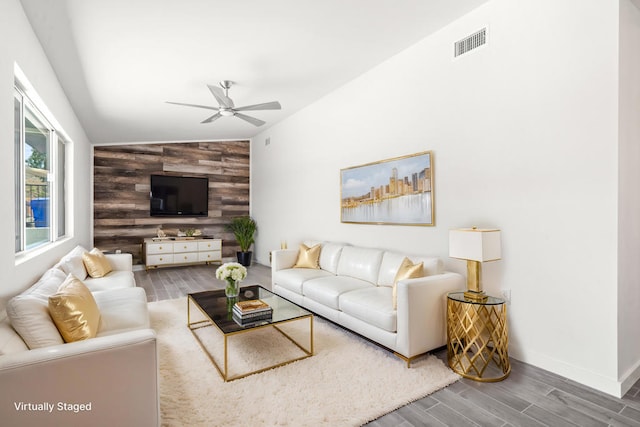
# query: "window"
{"type": "Point", "coordinates": [40, 163]}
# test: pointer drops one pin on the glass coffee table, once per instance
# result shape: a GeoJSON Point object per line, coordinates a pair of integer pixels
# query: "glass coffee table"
{"type": "Point", "coordinates": [216, 310]}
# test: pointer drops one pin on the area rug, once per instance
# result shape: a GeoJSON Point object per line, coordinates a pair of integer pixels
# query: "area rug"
{"type": "Point", "coordinates": [347, 382]}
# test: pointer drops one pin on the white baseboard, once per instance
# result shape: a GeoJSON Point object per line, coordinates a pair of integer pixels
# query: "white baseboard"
{"type": "Point", "coordinates": [594, 380]}
{"type": "Point", "coordinates": [630, 378]}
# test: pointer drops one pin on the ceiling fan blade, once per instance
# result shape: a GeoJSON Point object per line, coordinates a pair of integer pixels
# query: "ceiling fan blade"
{"type": "Point", "coordinates": [275, 105]}
{"type": "Point", "coordinates": [252, 120]}
{"type": "Point", "coordinates": [213, 118]}
{"type": "Point", "coordinates": [193, 105]}
{"type": "Point", "coordinates": [219, 95]}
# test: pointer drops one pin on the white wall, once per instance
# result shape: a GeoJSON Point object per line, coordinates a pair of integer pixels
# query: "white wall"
{"type": "Point", "coordinates": [525, 138]}
{"type": "Point", "coordinates": [629, 203]}
{"type": "Point", "coordinates": [18, 44]}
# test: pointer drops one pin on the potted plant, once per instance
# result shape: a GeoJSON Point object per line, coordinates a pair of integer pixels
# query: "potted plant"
{"type": "Point", "coordinates": [244, 228]}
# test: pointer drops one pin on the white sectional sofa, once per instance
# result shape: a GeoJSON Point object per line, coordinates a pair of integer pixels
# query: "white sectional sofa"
{"type": "Point", "coordinates": [108, 380]}
{"type": "Point", "coordinates": [353, 288]}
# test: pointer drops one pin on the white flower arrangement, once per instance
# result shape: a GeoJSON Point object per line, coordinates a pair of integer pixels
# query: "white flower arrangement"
{"type": "Point", "coordinates": [231, 271]}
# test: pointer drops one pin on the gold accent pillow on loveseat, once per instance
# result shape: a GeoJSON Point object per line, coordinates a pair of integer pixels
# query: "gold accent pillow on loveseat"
{"type": "Point", "coordinates": [74, 310]}
{"type": "Point", "coordinates": [96, 263]}
{"type": "Point", "coordinates": [407, 270]}
{"type": "Point", "coordinates": [308, 257]}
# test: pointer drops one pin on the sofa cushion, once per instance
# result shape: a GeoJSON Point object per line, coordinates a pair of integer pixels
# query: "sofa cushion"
{"type": "Point", "coordinates": [329, 256]}
{"type": "Point", "coordinates": [360, 263]}
{"type": "Point", "coordinates": [389, 266]}
{"type": "Point", "coordinates": [308, 257]}
{"type": "Point", "coordinates": [327, 290]}
{"type": "Point", "coordinates": [28, 312]}
{"type": "Point", "coordinates": [96, 264]}
{"type": "Point", "coordinates": [115, 280]}
{"type": "Point", "coordinates": [72, 263]}
{"type": "Point", "coordinates": [293, 278]}
{"type": "Point", "coordinates": [74, 310]}
{"type": "Point", "coordinates": [29, 316]}
{"type": "Point", "coordinates": [371, 305]}
{"type": "Point", "coordinates": [48, 284]}
{"type": "Point", "coordinates": [391, 262]}
{"type": "Point", "coordinates": [122, 310]}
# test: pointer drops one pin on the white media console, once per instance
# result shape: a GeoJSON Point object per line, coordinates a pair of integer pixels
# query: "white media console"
{"type": "Point", "coordinates": [167, 252]}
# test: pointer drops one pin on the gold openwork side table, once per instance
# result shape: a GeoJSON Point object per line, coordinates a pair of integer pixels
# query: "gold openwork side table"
{"type": "Point", "coordinates": [477, 337]}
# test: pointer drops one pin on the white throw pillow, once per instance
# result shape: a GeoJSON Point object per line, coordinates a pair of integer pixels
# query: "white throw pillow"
{"type": "Point", "coordinates": [29, 316]}
{"type": "Point", "coordinates": [72, 263]}
{"type": "Point", "coordinates": [48, 283]}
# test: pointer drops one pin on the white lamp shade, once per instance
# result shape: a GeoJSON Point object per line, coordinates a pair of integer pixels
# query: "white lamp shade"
{"type": "Point", "coordinates": [475, 244]}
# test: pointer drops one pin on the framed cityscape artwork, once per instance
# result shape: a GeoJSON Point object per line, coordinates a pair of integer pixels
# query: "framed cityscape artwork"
{"type": "Point", "coordinates": [394, 191]}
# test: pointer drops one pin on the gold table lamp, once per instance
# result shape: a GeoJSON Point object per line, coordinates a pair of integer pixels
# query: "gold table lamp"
{"type": "Point", "coordinates": [476, 246]}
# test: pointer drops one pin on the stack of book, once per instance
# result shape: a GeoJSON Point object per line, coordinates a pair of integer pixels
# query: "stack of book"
{"type": "Point", "coordinates": [252, 311]}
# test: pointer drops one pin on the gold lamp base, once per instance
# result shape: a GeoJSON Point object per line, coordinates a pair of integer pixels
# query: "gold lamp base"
{"type": "Point", "coordinates": [474, 282]}
{"type": "Point", "coordinates": [476, 296]}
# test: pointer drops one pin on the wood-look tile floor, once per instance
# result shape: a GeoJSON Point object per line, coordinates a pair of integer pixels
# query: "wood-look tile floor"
{"type": "Point", "coordinates": [530, 396]}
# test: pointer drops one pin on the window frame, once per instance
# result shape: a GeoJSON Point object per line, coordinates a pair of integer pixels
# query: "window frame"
{"type": "Point", "coordinates": [58, 173]}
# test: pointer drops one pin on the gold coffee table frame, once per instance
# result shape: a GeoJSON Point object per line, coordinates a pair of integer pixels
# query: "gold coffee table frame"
{"type": "Point", "coordinates": [208, 322]}
{"type": "Point", "coordinates": [477, 338]}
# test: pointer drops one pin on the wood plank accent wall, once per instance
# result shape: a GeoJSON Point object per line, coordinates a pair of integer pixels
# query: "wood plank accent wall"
{"type": "Point", "coordinates": [122, 185]}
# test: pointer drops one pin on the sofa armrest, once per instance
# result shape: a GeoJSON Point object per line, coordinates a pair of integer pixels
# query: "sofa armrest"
{"type": "Point", "coordinates": [121, 261]}
{"type": "Point", "coordinates": [422, 311]}
{"type": "Point", "coordinates": [115, 377]}
{"type": "Point", "coordinates": [283, 258]}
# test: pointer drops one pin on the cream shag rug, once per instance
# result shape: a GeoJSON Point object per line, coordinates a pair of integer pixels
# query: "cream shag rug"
{"type": "Point", "coordinates": [347, 382]}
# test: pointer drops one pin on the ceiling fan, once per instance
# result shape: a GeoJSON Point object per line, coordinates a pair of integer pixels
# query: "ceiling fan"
{"type": "Point", "coordinates": [226, 107]}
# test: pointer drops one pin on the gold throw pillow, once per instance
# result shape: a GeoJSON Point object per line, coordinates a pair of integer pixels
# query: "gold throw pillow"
{"type": "Point", "coordinates": [96, 263]}
{"type": "Point", "coordinates": [74, 310]}
{"type": "Point", "coordinates": [407, 270]}
{"type": "Point", "coordinates": [308, 257]}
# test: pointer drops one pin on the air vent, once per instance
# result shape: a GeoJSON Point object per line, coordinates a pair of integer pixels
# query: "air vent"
{"type": "Point", "coordinates": [467, 44]}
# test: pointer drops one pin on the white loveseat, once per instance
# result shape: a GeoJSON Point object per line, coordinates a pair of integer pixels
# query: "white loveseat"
{"type": "Point", "coordinates": [353, 288]}
{"type": "Point", "coordinates": [108, 380]}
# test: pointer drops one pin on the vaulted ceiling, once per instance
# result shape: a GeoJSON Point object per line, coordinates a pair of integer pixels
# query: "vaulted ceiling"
{"type": "Point", "coordinates": [119, 61]}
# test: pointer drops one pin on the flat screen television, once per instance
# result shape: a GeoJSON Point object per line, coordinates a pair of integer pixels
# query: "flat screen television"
{"type": "Point", "coordinates": [179, 196]}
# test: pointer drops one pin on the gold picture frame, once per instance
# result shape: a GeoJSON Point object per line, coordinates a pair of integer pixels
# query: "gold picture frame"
{"type": "Point", "coordinates": [397, 191]}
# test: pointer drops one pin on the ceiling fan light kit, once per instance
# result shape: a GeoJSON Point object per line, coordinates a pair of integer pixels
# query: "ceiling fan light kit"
{"type": "Point", "coordinates": [226, 107]}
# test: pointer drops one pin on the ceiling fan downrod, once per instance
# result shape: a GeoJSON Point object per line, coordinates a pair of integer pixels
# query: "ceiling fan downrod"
{"type": "Point", "coordinates": [226, 84]}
